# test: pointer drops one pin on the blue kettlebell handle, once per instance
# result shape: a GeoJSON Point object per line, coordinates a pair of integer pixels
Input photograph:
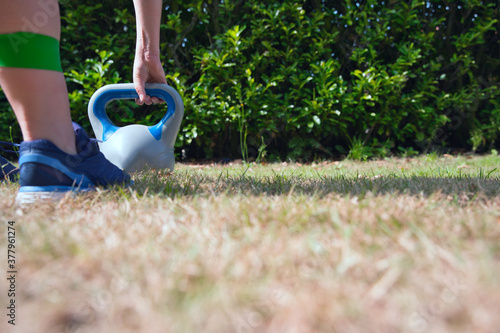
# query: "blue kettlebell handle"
{"type": "Point", "coordinates": [104, 127]}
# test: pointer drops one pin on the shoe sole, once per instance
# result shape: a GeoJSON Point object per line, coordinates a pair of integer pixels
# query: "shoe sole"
{"type": "Point", "coordinates": [27, 197]}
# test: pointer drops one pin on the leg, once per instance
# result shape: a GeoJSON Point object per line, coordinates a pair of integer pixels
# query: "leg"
{"type": "Point", "coordinates": [39, 97]}
{"type": "Point", "coordinates": [56, 156]}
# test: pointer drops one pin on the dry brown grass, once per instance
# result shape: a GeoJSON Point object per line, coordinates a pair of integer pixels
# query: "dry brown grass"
{"type": "Point", "coordinates": [383, 246]}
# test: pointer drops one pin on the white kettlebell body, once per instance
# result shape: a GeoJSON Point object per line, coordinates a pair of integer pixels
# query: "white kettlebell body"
{"type": "Point", "coordinates": [137, 147]}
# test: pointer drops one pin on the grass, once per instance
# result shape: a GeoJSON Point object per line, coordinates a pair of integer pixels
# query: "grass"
{"type": "Point", "coordinates": [396, 245]}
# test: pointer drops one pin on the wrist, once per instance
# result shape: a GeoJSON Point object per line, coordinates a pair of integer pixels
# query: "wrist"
{"type": "Point", "coordinates": [145, 49]}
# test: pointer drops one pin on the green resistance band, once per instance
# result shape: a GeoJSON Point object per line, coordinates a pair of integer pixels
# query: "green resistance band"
{"type": "Point", "coordinates": [30, 50]}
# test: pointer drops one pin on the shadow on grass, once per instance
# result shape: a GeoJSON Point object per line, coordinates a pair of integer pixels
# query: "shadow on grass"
{"type": "Point", "coordinates": [197, 184]}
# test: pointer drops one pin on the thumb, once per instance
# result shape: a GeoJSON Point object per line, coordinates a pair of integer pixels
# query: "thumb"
{"type": "Point", "coordinates": [139, 88]}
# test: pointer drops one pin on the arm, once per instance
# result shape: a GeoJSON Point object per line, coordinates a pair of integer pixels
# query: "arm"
{"type": "Point", "coordinates": [147, 64]}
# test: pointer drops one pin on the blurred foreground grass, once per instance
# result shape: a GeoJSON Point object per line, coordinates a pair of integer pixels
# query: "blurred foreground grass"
{"type": "Point", "coordinates": [397, 245]}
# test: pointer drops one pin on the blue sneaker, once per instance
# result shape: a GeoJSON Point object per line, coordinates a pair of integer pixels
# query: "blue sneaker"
{"type": "Point", "coordinates": [8, 171]}
{"type": "Point", "coordinates": [49, 173]}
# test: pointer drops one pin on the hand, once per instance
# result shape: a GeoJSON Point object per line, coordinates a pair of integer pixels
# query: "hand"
{"type": "Point", "coordinates": [147, 69]}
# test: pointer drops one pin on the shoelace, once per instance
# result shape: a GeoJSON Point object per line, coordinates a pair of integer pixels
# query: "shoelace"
{"type": "Point", "coordinates": [10, 144]}
{"type": "Point", "coordinates": [17, 145]}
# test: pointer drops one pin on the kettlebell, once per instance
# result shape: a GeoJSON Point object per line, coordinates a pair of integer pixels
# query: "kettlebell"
{"type": "Point", "coordinates": [137, 147]}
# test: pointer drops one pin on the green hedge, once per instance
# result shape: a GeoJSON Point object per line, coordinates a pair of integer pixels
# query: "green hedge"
{"type": "Point", "coordinates": [302, 79]}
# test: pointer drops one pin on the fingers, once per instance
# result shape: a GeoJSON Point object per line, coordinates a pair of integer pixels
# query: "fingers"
{"type": "Point", "coordinates": [143, 97]}
{"type": "Point", "coordinates": [148, 100]}
{"type": "Point", "coordinates": [157, 100]}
